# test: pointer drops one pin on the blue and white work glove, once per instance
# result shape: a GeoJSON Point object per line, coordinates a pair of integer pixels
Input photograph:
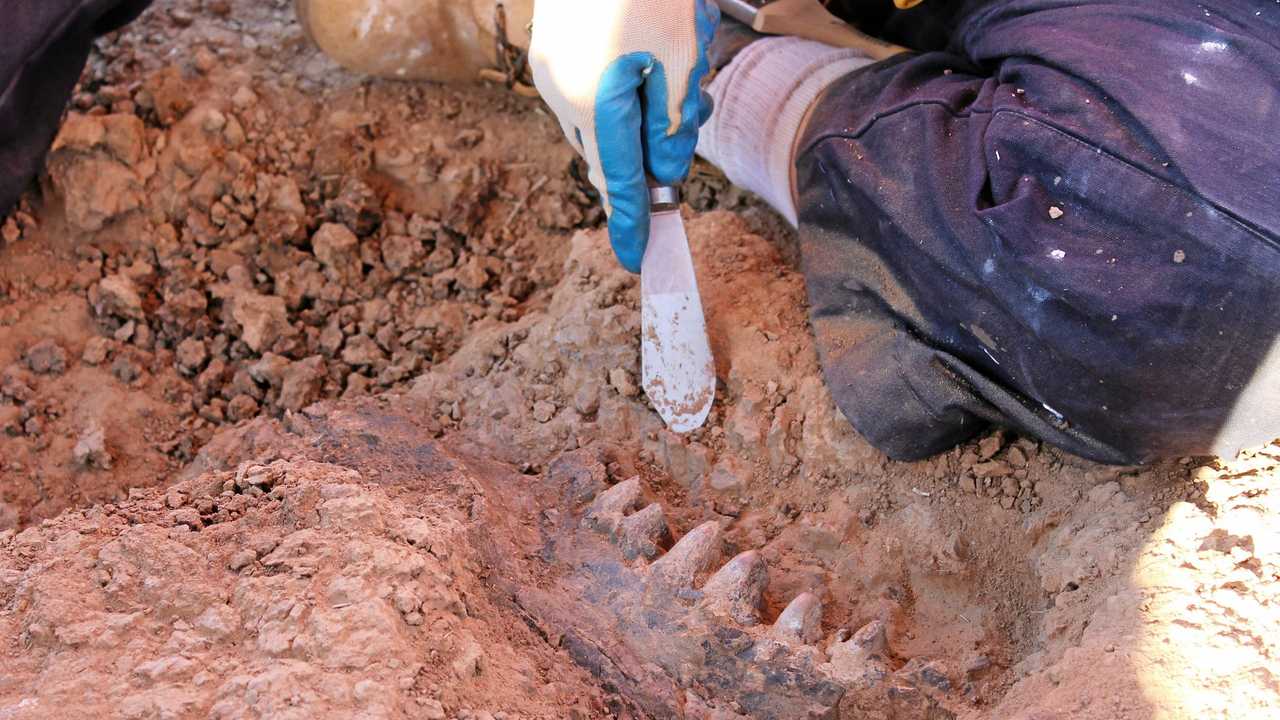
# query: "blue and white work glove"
{"type": "Point", "coordinates": [624, 79]}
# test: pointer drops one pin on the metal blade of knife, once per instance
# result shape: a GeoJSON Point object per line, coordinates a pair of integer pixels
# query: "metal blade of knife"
{"type": "Point", "coordinates": [676, 363]}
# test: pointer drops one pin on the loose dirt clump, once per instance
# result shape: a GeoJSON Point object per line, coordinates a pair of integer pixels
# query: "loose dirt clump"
{"type": "Point", "coordinates": [290, 589]}
{"type": "Point", "coordinates": [240, 229]}
{"type": "Point", "coordinates": [317, 401]}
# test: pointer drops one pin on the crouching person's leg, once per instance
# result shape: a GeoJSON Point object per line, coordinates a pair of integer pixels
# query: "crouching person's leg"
{"type": "Point", "coordinates": [439, 40]}
{"type": "Point", "coordinates": [45, 46]}
{"type": "Point", "coordinates": [1063, 228]}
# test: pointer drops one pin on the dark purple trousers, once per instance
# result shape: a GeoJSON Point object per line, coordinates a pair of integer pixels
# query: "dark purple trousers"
{"type": "Point", "coordinates": [1066, 221]}
{"type": "Point", "coordinates": [43, 48]}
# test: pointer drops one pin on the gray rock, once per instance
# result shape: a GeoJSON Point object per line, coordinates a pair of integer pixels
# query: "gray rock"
{"type": "Point", "coordinates": [46, 357]}
{"type": "Point", "coordinates": [191, 355]}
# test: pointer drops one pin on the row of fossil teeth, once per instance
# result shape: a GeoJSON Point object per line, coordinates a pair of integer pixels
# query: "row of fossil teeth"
{"type": "Point", "coordinates": [735, 591]}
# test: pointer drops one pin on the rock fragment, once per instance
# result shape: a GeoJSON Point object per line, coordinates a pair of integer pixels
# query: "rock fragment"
{"type": "Point", "coordinates": [125, 369]}
{"type": "Point", "coordinates": [96, 351]}
{"type": "Point", "coordinates": [607, 510]}
{"type": "Point", "coordinates": [189, 517]}
{"type": "Point", "coordinates": [242, 407]}
{"type": "Point", "coordinates": [46, 358]}
{"type": "Point", "coordinates": [242, 559]}
{"type": "Point", "coordinates": [338, 249]}
{"type": "Point", "coordinates": [262, 319]}
{"type": "Point", "coordinates": [301, 383]}
{"type": "Point", "coordinates": [694, 554]}
{"type": "Point", "coordinates": [191, 355]}
{"type": "Point", "coordinates": [990, 445]}
{"type": "Point", "coordinates": [543, 411]}
{"type": "Point", "coordinates": [622, 381]}
{"type": "Point", "coordinates": [992, 469]}
{"type": "Point", "coordinates": [117, 296]}
{"type": "Point", "coordinates": [362, 350]}
{"type": "Point", "coordinates": [90, 450]}
{"type": "Point", "coordinates": [401, 253]}
{"type": "Point", "coordinates": [469, 661]}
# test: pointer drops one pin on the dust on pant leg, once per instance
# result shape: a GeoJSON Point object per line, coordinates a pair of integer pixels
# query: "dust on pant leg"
{"type": "Point", "coordinates": [1021, 233]}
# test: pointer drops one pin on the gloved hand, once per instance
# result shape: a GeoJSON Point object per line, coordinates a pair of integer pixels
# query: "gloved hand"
{"type": "Point", "coordinates": [623, 77]}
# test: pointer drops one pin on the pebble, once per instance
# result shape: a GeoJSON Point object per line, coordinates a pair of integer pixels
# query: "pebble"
{"type": "Point", "coordinates": [543, 411]}
{"type": "Point", "coordinates": [191, 355]}
{"type": "Point", "coordinates": [91, 449]}
{"type": "Point", "coordinates": [204, 60]}
{"type": "Point", "coordinates": [244, 98]}
{"type": "Point", "coordinates": [621, 380]}
{"type": "Point", "coordinates": [188, 517]}
{"type": "Point", "coordinates": [46, 358]}
{"type": "Point", "coordinates": [242, 559]}
{"type": "Point", "coordinates": [118, 296]}
{"type": "Point", "coordinates": [429, 709]}
{"type": "Point", "coordinates": [992, 469]}
{"type": "Point", "coordinates": [1016, 457]}
{"type": "Point", "coordinates": [990, 445]}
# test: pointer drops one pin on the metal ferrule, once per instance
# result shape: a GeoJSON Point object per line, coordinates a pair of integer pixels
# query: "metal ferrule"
{"type": "Point", "coordinates": [744, 11]}
{"type": "Point", "coordinates": [664, 197]}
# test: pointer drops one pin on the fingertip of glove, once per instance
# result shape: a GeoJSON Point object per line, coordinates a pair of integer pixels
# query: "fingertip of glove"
{"type": "Point", "coordinates": [630, 260]}
{"type": "Point", "coordinates": [707, 107]}
{"type": "Point", "coordinates": [628, 243]}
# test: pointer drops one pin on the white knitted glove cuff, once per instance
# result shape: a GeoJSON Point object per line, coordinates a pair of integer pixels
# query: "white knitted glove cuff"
{"type": "Point", "coordinates": [761, 99]}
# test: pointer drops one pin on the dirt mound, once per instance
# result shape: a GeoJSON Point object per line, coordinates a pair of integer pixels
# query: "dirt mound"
{"type": "Point", "coordinates": [302, 591]}
{"type": "Point", "coordinates": [231, 227]}
{"type": "Point", "coordinates": [788, 573]}
{"type": "Point", "coordinates": [236, 229]}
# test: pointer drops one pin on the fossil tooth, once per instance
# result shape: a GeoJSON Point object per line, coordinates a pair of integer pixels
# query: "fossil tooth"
{"type": "Point", "coordinates": [801, 621]}
{"type": "Point", "coordinates": [737, 588]}
{"type": "Point", "coordinates": [607, 510]}
{"type": "Point", "coordinates": [643, 534]}
{"type": "Point", "coordinates": [693, 555]}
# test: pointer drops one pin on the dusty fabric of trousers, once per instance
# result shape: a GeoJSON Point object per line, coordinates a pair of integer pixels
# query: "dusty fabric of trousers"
{"type": "Point", "coordinates": [1067, 222]}
{"type": "Point", "coordinates": [45, 45]}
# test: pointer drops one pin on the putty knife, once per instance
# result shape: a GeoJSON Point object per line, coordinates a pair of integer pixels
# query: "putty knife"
{"type": "Point", "coordinates": [809, 20]}
{"type": "Point", "coordinates": [679, 375]}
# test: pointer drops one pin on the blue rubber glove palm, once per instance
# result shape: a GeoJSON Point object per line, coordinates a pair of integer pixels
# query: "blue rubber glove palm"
{"type": "Point", "coordinates": [624, 79]}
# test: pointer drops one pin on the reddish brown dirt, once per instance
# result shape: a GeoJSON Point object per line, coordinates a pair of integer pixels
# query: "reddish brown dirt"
{"type": "Point", "coordinates": [314, 402]}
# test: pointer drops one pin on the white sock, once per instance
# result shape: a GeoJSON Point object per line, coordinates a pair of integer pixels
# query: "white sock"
{"type": "Point", "coordinates": [760, 100]}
